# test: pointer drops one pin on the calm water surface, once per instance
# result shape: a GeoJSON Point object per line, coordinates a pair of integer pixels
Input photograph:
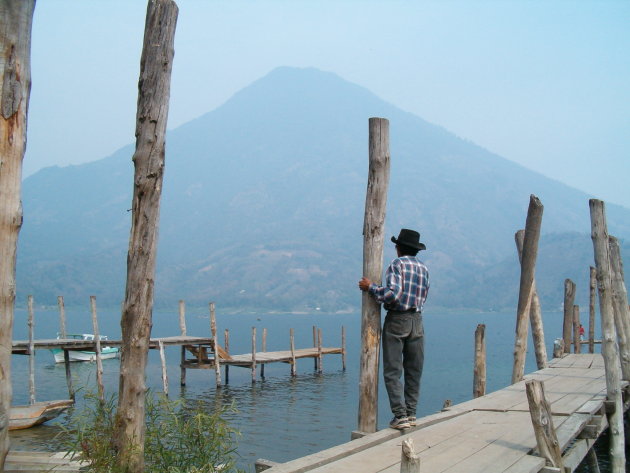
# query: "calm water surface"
{"type": "Point", "coordinates": [280, 417]}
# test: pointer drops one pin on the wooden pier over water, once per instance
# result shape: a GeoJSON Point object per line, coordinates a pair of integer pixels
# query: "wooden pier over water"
{"type": "Point", "coordinates": [489, 434]}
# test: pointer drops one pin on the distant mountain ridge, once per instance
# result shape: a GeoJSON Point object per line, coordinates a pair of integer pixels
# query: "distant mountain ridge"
{"type": "Point", "coordinates": [263, 204]}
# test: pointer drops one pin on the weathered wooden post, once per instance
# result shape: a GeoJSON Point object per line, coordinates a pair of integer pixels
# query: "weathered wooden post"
{"type": "Point", "coordinates": [153, 96]}
{"type": "Point", "coordinates": [577, 346]}
{"type": "Point", "coordinates": [409, 460]}
{"type": "Point", "coordinates": [528, 268]}
{"type": "Point", "coordinates": [620, 306]}
{"type": "Point", "coordinates": [320, 359]}
{"type": "Point", "coordinates": [479, 374]}
{"type": "Point", "coordinates": [182, 330]}
{"type": "Point", "coordinates": [315, 346]}
{"type": "Point", "coordinates": [343, 347]}
{"type": "Point", "coordinates": [540, 412]}
{"type": "Point", "coordinates": [292, 341]}
{"type": "Point", "coordinates": [213, 331]}
{"type": "Point", "coordinates": [163, 363]}
{"type": "Point", "coordinates": [31, 350]}
{"type": "Point", "coordinates": [62, 317]}
{"type": "Point", "coordinates": [591, 309]}
{"type": "Point", "coordinates": [97, 351]}
{"type": "Point", "coordinates": [264, 349]}
{"type": "Point", "coordinates": [253, 354]}
{"type": "Point", "coordinates": [16, 19]}
{"type": "Point", "coordinates": [535, 314]}
{"type": "Point", "coordinates": [373, 237]}
{"type": "Point", "coordinates": [601, 248]}
{"type": "Point", "coordinates": [182, 317]}
{"type": "Point", "coordinates": [569, 299]}
{"type": "Point", "coordinates": [227, 350]}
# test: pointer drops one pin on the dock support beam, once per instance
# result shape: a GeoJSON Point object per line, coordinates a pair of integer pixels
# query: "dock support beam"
{"type": "Point", "coordinates": [479, 375]}
{"type": "Point", "coordinates": [610, 352]}
{"type": "Point", "coordinates": [540, 411]}
{"type": "Point", "coordinates": [373, 237]}
{"type": "Point", "coordinates": [569, 299]}
{"type": "Point", "coordinates": [528, 267]}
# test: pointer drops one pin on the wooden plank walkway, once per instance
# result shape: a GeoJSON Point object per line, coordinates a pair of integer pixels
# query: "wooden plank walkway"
{"type": "Point", "coordinates": [490, 434]}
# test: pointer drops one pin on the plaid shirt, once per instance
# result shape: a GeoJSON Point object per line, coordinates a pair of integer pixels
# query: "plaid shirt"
{"type": "Point", "coordinates": [406, 285]}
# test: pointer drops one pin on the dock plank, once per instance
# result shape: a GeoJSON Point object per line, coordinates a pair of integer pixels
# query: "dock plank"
{"type": "Point", "coordinates": [490, 434]}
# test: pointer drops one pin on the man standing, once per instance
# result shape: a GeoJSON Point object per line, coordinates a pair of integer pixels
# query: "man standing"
{"type": "Point", "coordinates": [403, 295]}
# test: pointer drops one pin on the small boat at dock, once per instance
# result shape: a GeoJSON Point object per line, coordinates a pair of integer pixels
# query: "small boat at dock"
{"type": "Point", "coordinates": [23, 417]}
{"type": "Point", "coordinates": [84, 355]}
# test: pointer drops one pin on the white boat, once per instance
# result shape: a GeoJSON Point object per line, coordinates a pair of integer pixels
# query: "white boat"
{"type": "Point", "coordinates": [84, 355]}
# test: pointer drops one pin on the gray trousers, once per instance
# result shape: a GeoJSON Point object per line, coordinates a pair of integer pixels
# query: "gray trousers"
{"type": "Point", "coordinates": [403, 352]}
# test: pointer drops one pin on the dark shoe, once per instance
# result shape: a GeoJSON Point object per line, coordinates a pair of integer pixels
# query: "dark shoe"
{"type": "Point", "coordinates": [399, 423]}
{"type": "Point", "coordinates": [412, 420]}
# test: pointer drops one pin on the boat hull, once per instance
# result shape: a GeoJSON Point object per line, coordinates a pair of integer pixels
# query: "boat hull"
{"type": "Point", "coordinates": [23, 417]}
{"type": "Point", "coordinates": [76, 355]}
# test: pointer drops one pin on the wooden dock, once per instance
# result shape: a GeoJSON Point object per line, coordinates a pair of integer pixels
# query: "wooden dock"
{"type": "Point", "coordinates": [489, 434]}
{"type": "Point", "coordinates": [36, 462]}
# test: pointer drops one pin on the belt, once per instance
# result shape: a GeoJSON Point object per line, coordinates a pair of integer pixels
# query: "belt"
{"type": "Point", "coordinates": [413, 310]}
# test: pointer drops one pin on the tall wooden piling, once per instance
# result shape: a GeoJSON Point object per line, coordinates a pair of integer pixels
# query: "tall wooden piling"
{"type": "Point", "coordinates": [164, 372]}
{"type": "Point", "coordinates": [264, 349]}
{"type": "Point", "coordinates": [528, 267]}
{"type": "Point", "coordinates": [479, 374]}
{"type": "Point", "coordinates": [343, 347]}
{"type": "Point", "coordinates": [591, 309]}
{"type": "Point", "coordinates": [253, 354]}
{"type": "Point", "coordinates": [31, 350]}
{"type": "Point", "coordinates": [215, 343]}
{"type": "Point", "coordinates": [227, 350]}
{"type": "Point", "coordinates": [373, 237]}
{"type": "Point", "coordinates": [620, 306]}
{"type": "Point", "coordinates": [535, 313]}
{"type": "Point", "coordinates": [97, 352]}
{"type": "Point", "coordinates": [292, 342]}
{"type": "Point", "coordinates": [569, 299]}
{"type": "Point", "coordinates": [156, 63]}
{"type": "Point", "coordinates": [182, 330]}
{"type": "Point", "coordinates": [16, 20]}
{"type": "Point", "coordinates": [62, 317]}
{"type": "Point", "coordinates": [601, 248]}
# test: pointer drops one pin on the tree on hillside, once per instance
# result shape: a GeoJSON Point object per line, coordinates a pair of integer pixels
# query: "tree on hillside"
{"type": "Point", "coordinates": [153, 98]}
{"type": "Point", "coordinates": [16, 20]}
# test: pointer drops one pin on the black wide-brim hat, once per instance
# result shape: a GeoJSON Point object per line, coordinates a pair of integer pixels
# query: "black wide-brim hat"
{"type": "Point", "coordinates": [409, 238]}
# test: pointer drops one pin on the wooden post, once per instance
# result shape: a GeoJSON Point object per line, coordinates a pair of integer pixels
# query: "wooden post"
{"type": "Point", "coordinates": [182, 366]}
{"type": "Point", "coordinates": [591, 459]}
{"type": "Point", "coordinates": [540, 411]}
{"type": "Point", "coordinates": [528, 268]}
{"type": "Point", "coordinates": [620, 306]}
{"type": "Point", "coordinates": [264, 349]}
{"type": "Point", "coordinates": [227, 350]}
{"type": "Point", "coordinates": [163, 362]}
{"type": "Point", "coordinates": [343, 347]}
{"type": "Point", "coordinates": [182, 330]}
{"type": "Point", "coordinates": [569, 299]}
{"type": "Point", "coordinates": [97, 351]}
{"type": "Point", "coordinates": [182, 318]}
{"type": "Point", "coordinates": [253, 354]}
{"type": "Point", "coordinates": [292, 341]}
{"type": "Point", "coordinates": [62, 317]}
{"type": "Point", "coordinates": [320, 359]}
{"type": "Point", "coordinates": [591, 310]}
{"type": "Point", "coordinates": [152, 115]}
{"type": "Point", "coordinates": [315, 346]}
{"type": "Point", "coordinates": [373, 237]}
{"type": "Point", "coordinates": [479, 374]}
{"type": "Point", "coordinates": [31, 350]}
{"type": "Point", "coordinates": [577, 346]}
{"type": "Point", "coordinates": [601, 248]}
{"type": "Point", "coordinates": [66, 362]}
{"type": "Point", "coordinates": [16, 19]}
{"type": "Point", "coordinates": [535, 313]}
{"type": "Point", "coordinates": [213, 330]}
{"type": "Point", "coordinates": [409, 460]}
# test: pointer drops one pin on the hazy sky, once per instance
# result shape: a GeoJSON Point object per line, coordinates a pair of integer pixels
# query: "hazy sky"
{"type": "Point", "coordinates": [542, 83]}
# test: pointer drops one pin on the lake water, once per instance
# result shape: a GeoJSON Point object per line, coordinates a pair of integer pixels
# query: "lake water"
{"type": "Point", "coordinates": [280, 417]}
